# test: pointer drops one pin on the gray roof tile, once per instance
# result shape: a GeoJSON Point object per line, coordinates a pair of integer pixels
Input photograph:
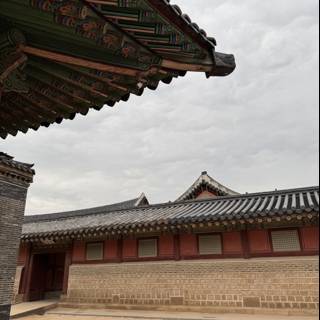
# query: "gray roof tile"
{"type": "Point", "coordinates": [85, 212]}
{"type": "Point", "coordinates": [9, 161]}
{"type": "Point", "coordinates": [206, 182]}
{"type": "Point", "coordinates": [218, 209]}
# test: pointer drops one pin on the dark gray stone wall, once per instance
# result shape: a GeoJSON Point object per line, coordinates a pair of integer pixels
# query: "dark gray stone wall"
{"type": "Point", "coordinates": [12, 205]}
{"type": "Point", "coordinates": [4, 311]}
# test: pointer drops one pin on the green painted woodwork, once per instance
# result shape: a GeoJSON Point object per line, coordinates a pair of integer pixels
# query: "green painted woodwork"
{"type": "Point", "coordinates": [139, 18]}
{"type": "Point", "coordinates": [65, 40]}
{"type": "Point", "coordinates": [12, 63]}
{"type": "Point", "coordinates": [132, 34]}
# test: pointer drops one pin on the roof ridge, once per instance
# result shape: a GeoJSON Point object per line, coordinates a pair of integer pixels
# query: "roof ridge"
{"type": "Point", "coordinates": [167, 204]}
{"type": "Point", "coordinates": [252, 194]}
{"type": "Point", "coordinates": [140, 200]}
{"type": "Point", "coordinates": [206, 178]}
{"type": "Point", "coordinates": [80, 212]}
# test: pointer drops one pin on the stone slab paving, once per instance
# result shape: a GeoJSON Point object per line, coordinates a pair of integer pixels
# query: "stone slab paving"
{"type": "Point", "coordinates": [26, 308]}
{"type": "Point", "coordinates": [81, 314]}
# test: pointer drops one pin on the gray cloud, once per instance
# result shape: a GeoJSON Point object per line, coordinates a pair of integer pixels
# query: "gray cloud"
{"type": "Point", "coordinates": [253, 131]}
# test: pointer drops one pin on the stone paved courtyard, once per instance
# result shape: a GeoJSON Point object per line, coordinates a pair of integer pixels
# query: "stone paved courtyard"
{"type": "Point", "coordinates": [77, 314]}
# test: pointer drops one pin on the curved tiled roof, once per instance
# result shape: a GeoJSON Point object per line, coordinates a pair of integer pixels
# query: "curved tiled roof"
{"type": "Point", "coordinates": [266, 205]}
{"type": "Point", "coordinates": [142, 200]}
{"type": "Point", "coordinates": [206, 182]}
{"type": "Point", "coordinates": [8, 161]}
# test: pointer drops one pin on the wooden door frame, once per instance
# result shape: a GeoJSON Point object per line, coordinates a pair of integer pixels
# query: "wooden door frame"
{"type": "Point", "coordinates": [46, 251]}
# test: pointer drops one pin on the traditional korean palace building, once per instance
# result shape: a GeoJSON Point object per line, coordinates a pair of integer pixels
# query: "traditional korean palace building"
{"type": "Point", "coordinates": [63, 58]}
{"type": "Point", "coordinates": [212, 248]}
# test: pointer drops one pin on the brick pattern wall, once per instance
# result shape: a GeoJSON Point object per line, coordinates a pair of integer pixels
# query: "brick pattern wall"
{"type": "Point", "coordinates": [273, 283]}
{"type": "Point", "coordinates": [13, 192]}
{"type": "Point", "coordinates": [12, 205]}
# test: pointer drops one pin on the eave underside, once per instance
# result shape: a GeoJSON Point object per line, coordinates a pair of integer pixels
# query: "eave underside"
{"type": "Point", "coordinates": [284, 221]}
{"type": "Point", "coordinates": [59, 59]}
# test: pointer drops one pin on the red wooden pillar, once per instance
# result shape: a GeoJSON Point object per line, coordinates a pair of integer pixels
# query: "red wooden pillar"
{"type": "Point", "coordinates": [177, 253]}
{"type": "Point", "coordinates": [120, 250]}
{"type": "Point", "coordinates": [67, 264]}
{"type": "Point", "coordinates": [26, 275]}
{"type": "Point", "coordinates": [245, 244]}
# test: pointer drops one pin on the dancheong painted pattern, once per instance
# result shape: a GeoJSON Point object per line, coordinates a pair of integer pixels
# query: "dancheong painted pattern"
{"type": "Point", "coordinates": [62, 57]}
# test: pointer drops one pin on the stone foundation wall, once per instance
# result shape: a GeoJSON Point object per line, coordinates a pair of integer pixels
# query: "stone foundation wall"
{"type": "Point", "coordinates": [273, 283]}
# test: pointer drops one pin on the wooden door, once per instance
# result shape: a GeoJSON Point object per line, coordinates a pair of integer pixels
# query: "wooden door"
{"type": "Point", "coordinates": [38, 277]}
{"type": "Point", "coordinates": [55, 272]}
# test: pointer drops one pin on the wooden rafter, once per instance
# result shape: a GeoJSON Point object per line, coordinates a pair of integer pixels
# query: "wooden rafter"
{"type": "Point", "coordinates": [66, 61]}
{"type": "Point", "coordinates": [15, 62]}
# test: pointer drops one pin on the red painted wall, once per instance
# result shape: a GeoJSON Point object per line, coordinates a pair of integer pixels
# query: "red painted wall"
{"type": "Point", "coordinates": [232, 243]}
{"type": "Point", "coordinates": [111, 249]}
{"type": "Point", "coordinates": [188, 245]}
{"type": "Point", "coordinates": [129, 249]}
{"type": "Point", "coordinates": [166, 246]}
{"type": "Point", "coordinates": [310, 238]}
{"type": "Point", "coordinates": [79, 251]}
{"type": "Point", "coordinates": [259, 241]}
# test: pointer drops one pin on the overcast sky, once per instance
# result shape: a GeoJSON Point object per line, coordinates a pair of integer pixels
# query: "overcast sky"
{"type": "Point", "coordinates": [255, 130]}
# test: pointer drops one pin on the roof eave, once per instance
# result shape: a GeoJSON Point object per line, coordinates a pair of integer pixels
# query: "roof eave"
{"type": "Point", "coordinates": [225, 64]}
{"type": "Point", "coordinates": [303, 217]}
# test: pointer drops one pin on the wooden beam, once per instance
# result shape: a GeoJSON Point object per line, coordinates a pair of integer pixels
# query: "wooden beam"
{"type": "Point", "coordinates": [15, 64]}
{"type": "Point", "coordinates": [62, 58]}
{"type": "Point", "coordinates": [170, 64]}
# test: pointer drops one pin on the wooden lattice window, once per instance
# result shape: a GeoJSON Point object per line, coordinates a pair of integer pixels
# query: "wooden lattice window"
{"type": "Point", "coordinates": [210, 244]}
{"type": "Point", "coordinates": [94, 251]}
{"type": "Point", "coordinates": [285, 241]}
{"type": "Point", "coordinates": [148, 248]}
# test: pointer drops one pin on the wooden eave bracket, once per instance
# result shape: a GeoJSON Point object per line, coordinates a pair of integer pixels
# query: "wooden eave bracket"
{"type": "Point", "coordinates": [12, 78]}
{"type": "Point", "coordinates": [12, 62]}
